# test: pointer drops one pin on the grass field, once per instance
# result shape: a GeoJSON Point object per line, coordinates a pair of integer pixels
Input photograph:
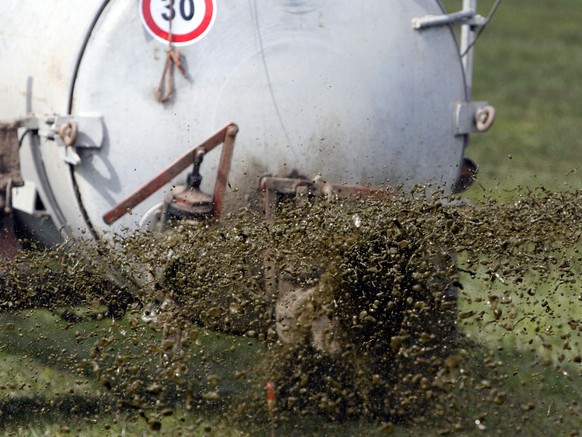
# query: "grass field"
{"type": "Point", "coordinates": [528, 65]}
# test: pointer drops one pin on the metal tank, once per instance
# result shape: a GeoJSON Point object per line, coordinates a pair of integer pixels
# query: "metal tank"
{"type": "Point", "coordinates": [104, 95]}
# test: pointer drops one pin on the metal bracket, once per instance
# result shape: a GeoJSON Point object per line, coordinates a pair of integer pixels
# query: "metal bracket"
{"type": "Point", "coordinates": [460, 18]}
{"type": "Point", "coordinates": [473, 117]}
{"type": "Point", "coordinates": [300, 189]}
{"type": "Point", "coordinates": [224, 136]}
{"type": "Point", "coordinates": [71, 133]}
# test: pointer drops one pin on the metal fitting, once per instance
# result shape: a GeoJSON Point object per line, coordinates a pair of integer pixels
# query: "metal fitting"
{"type": "Point", "coordinates": [484, 118]}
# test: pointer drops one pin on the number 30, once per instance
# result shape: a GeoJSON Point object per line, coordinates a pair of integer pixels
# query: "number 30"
{"type": "Point", "coordinates": [186, 10]}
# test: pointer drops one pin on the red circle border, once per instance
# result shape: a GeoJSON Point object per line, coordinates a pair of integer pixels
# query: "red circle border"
{"type": "Point", "coordinates": [184, 38]}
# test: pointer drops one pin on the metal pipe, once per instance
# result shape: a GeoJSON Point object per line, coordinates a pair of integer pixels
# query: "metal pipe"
{"type": "Point", "coordinates": [468, 33]}
{"type": "Point", "coordinates": [441, 20]}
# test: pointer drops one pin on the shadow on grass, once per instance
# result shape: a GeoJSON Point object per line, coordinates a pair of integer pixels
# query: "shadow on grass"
{"type": "Point", "coordinates": [60, 409]}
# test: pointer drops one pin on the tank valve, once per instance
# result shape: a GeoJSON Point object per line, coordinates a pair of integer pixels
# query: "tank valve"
{"type": "Point", "coordinates": [188, 201]}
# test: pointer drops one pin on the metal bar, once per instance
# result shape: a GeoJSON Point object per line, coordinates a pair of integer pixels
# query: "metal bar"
{"type": "Point", "coordinates": [165, 176]}
{"type": "Point", "coordinates": [223, 170]}
{"type": "Point", "coordinates": [468, 33]}
{"type": "Point", "coordinates": [442, 20]}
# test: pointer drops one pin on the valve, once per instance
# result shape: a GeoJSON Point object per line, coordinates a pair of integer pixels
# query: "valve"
{"type": "Point", "coordinates": [188, 201]}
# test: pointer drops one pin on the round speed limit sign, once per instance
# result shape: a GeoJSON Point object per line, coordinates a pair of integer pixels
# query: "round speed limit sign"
{"type": "Point", "coordinates": [187, 20]}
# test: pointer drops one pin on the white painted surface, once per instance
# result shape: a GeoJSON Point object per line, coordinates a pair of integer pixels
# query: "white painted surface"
{"type": "Point", "coordinates": [339, 88]}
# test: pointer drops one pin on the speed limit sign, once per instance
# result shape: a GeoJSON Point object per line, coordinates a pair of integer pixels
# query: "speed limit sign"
{"type": "Point", "coordinates": [186, 20]}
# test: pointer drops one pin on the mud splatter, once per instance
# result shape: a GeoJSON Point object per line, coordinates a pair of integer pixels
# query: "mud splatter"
{"type": "Point", "coordinates": [401, 311]}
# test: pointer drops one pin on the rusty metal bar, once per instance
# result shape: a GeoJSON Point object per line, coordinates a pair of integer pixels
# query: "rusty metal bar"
{"type": "Point", "coordinates": [224, 135]}
{"type": "Point", "coordinates": [223, 170]}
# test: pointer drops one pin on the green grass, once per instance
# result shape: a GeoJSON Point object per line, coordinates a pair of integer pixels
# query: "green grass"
{"type": "Point", "coordinates": [527, 64]}
{"type": "Point", "coordinates": [45, 395]}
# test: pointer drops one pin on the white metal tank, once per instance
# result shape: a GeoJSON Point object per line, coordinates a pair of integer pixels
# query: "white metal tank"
{"type": "Point", "coordinates": [362, 93]}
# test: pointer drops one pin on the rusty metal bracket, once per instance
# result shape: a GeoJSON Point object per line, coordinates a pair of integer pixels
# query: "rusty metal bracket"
{"type": "Point", "coordinates": [275, 187]}
{"type": "Point", "coordinates": [225, 136]}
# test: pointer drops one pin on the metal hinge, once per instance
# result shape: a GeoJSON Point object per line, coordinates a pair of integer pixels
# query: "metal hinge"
{"type": "Point", "coordinates": [71, 133]}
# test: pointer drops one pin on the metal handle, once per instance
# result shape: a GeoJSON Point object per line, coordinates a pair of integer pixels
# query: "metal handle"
{"type": "Point", "coordinates": [225, 135]}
